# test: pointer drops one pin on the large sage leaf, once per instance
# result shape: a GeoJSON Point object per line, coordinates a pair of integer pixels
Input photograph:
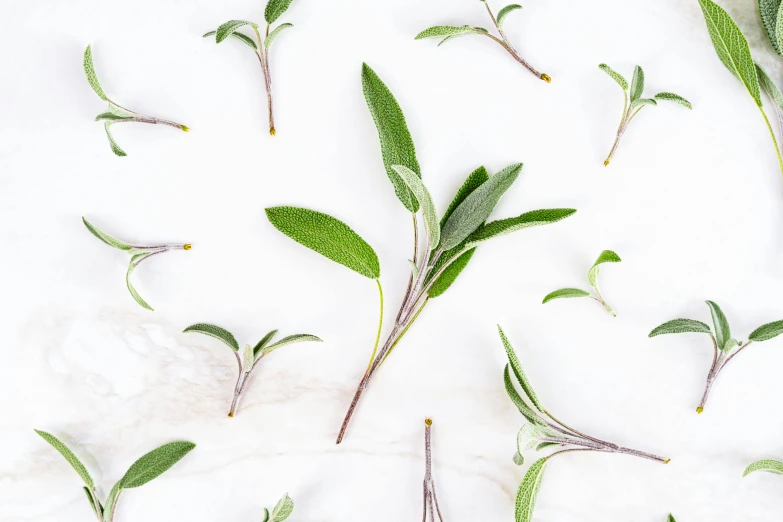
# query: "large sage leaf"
{"type": "Point", "coordinates": [502, 227]}
{"type": "Point", "coordinates": [69, 456]}
{"type": "Point", "coordinates": [767, 332]}
{"type": "Point", "coordinates": [216, 332]}
{"type": "Point", "coordinates": [676, 326]}
{"type": "Point", "coordinates": [721, 325]}
{"type": "Point", "coordinates": [516, 366]}
{"type": "Point", "coordinates": [770, 466]}
{"type": "Point", "coordinates": [528, 491]}
{"type": "Point", "coordinates": [92, 76]}
{"type": "Point", "coordinates": [275, 8]}
{"type": "Point", "coordinates": [415, 185]}
{"type": "Point", "coordinates": [154, 464]}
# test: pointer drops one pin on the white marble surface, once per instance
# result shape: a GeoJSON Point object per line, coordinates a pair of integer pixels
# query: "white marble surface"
{"type": "Point", "coordinates": [693, 203]}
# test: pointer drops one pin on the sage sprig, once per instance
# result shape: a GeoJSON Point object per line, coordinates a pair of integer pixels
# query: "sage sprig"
{"type": "Point", "coordinates": [248, 360]}
{"type": "Point", "coordinates": [138, 253]}
{"type": "Point", "coordinates": [260, 45]}
{"type": "Point", "coordinates": [281, 511]}
{"type": "Point", "coordinates": [633, 102]}
{"type": "Point", "coordinates": [449, 32]}
{"type": "Point", "coordinates": [430, 497]}
{"type": "Point", "coordinates": [607, 256]}
{"type": "Point", "coordinates": [725, 347]}
{"type": "Point", "coordinates": [118, 113]}
{"type": "Point", "coordinates": [147, 468]}
{"type": "Point", "coordinates": [544, 430]}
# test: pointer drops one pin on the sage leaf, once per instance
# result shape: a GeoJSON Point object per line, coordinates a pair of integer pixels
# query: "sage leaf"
{"type": "Point", "coordinates": [565, 293]}
{"type": "Point", "coordinates": [607, 256]}
{"type": "Point", "coordinates": [265, 518]}
{"type": "Point", "coordinates": [521, 405]}
{"type": "Point", "coordinates": [439, 31]}
{"type": "Point", "coordinates": [519, 372]}
{"type": "Point", "coordinates": [69, 456]}
{"type": "Point", "coordinates": [641, 102]}
{"type": "Point", "coordinates": [474, 180]}
{"type": "Point", "coordinates": [275, 8]}
{"type": "Point", "coordinates": [637, 83]}
{"type": "Point", "coordinates": [113, 144]}
{"type": "Point", "coordinates": [768, 9]}
{"type": "Point", "coordinates": [528, 436]}
{"type": "Point", "coordinates": [274, 34]}
{"type": "Point", "coordinates": [110, 116]}
{"type": "Point", "coordinates": [670, 518]}
{"type": "Point", "coordinates": [328, 236]}
{"type": "Point", "coordinates": [528, 491]}
{"type": "Point", "coordinates": [502, 227]}
{"type": "Point", "coordinates": [299, 338]}
{"type": "Point", "coordinates": [670, 96]}
{"type": "Point", "coordinates": [96, 509]}
{"type": "Point", "coordinates": [154, 464]}
{"type": "Point", "coordinates": [415, 185]}
{"type": "Point", "coordinates": [92, 76]}
{"type": "Point", "coordinates": [119, 111]}
{"type": "Point", "coordinates": [397, 146]}
{"type": "Point", "coordinates": [477, 207]}
{"type": "Point", "coordinates": [770, 466]}
{"type": "Point", "coordinates": [676, 326]}
{"type": "Point", "coordinates": [263, 342]}
{"type": "Point", "coordinates": [722, 330]}
{"type": "Point", "coordinates": [732, 47]}
{"type": "Point", "coordinates": [283, 509]}
{"type": "Point", "coordinates": [239, 36]}
{"type": "Point", "coordinates": [621, 81]}
{"type": "Point", "coordinates": [450, 274]}
{"type": "Point", "coordinates": [518, 459]}
{"type": "Point", "coordinates": [106, 238]}
{"type": "Point", "coordinates": [215, 332]}
{"type": "Point", "coordinates": [779, 31]}
{"type": "Point", "coordinates": [546, 445]}
{"type": "Point", "coordinates": [228, 28]}
{"type": "Point", "coordinates": [111, 502]}
{"type": "Point", "coordinates": [767, 332]}
{"type": "Point", "coordinates": [131, 267]}
{"type": "Point", "coordinates": [503, 13]}
{"type": "Point", "coordinates": [769, 87]}
{"type": "Point", "coordinates": [447, 39]}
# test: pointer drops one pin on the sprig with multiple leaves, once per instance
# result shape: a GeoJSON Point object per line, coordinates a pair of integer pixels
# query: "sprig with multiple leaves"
{"type": "Point", "coordinates": [724, 345]}
{"type": "Point", "coordinates": [251, 356]}
{"type": "Point", "coordinates": [544, 430]}
{"type": "Point", "coordinates": [449, 32]}
{"type": "Point", "coordinates": [607, 256]}
{"type": "Point", "coordinates": [450, 240]}
{"type": "Point", "coordinates": [734, 52]}
{"type": "Point", "coordinates": [633, 103]}
{"type": "Point", "coordinates": [118, 113]}
{"type": "Point", "coordinates": [430, 497]}
{"type": "Point", "coordinates": [260, 45]}
{"type": "Point", "coordinates": [138, 254]}
{"type": "Point", "coordinates": [283, 510]}
{"type": "Point", "coordinates": [147, 468]}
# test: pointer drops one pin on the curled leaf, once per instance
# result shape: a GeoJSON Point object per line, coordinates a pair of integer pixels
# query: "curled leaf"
{"type": "Point", "coordinates": [670, 96]}
{"type": "Point", "coordinates": [503, 13]}
{"type": "Point", "coordinates": [114, 147]}
{"type": "Point", "coordinates": [239, 36]}
{"type": "Point", "coordinates": [676, 326]}
{"type": "Point", "coordinates": [228, 28]}
{"type": "Point", "coordinates": [564, 293]}
{"type": "Point", "coordinates": [216, 332]}
{"type": "Point", "coordinates": [607, 256]}
{"type": "Point", "coordinates": [770, 466]}
{"type": "Point", "coordinates": [621, 81]}
{"type": "Point", "coordinates": [92, 76]}
{"type": "Point", "coordinates": [131, 267]}
{"type": "Point", "coordinates": [275, 33]}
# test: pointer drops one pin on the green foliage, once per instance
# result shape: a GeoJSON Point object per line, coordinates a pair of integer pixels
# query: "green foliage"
{"type": "Point", "coordinates": [528, 491]}
{"type": "Point", "coordinates": [215, 332]}
{"type": "Point", "coordinates": [230, 27]}
{"type": "Point", "coordinates": [770, 466]}
{"type": "Point", "coordinates": [113, 144]}
{"type": "Point", "coordinates": [415, 185]}
{"type": "Point", "coordinates": [722, 329]}
{"type": "Point", "coordinates": [283, 509]}
{"type": "Point", "coordinates": [106, 238]}
{"type": "Point", "coordinates": [565, 293]}
{"type": "Point", "coordinates": [676, 98]}
{"type": "Point", "coordinates": [607, 256]}
{"type": "Point", "coordinates": [769, 11]}
{"type": "Point", "coordinates": [275, 33]}
{"type": "Point", "coordinates": [637, 84]}
{"type": "Point", "coordinates": [450, 274]}
{"type": "Point", "coordinates": [275, 8]}
{"type": "Point", "coordinates": [502, 227]}
{"type": "Point", "coordinates": [69, 456]}
{"type": "Point", "coordinates": [92, 76]}
{"type": "Point", "coordinates": [154, 464]}
{"type": "Point", "coordinates": [766, 332]}
{"type": "Point", "coordinates": [239, 36]}
{"type": "Point", "coordinates": [503, 13]}
{"type": "Point", "coordinates": [676, 326]}
{"type": "Point", "coordinates": [621, 81]}
{"type": "Point", "coordinates": [133, 292]}
{"type": "Point", "coordinates": [263, 342]}
{"type": "Point", "coordinates": [291, 339]}
{"type": "Point", "coordinates": [518, 401]}
{"type": "Point", "coordinates": [110, 116]}
{"type": "Point", "coordinates": [670, 518]}
{"type": "Point", "coordinates": [769, 87]}
{"type": "Point", "coordinates": [440, 31]}
{"type": "Point", "coordinates": [516, 366]}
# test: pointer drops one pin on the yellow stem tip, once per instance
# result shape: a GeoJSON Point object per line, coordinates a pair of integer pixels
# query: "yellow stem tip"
{"type": "Point", "coordinates": [428, 421]}
{"type": "Point", "coordinates": [699, 410]}
{"type": "Point", "coordinates": [272, 131]}
{"type": "Point", "coordinates": [186, 128]}
{"type": "Point", "coordinates": [667, 461]}
{"type": "Point", "coordinates": [187, 246]}
{"type": "Point", "coordinates": [546, 78]}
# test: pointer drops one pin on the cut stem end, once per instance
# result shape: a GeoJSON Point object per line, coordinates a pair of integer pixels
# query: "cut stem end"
{"type": "Point", "coordinates": [272, 131]}
{"type": "Point", "coordinates": [699, 410]}
{"type": "Point", "coordinates": [546, 78]}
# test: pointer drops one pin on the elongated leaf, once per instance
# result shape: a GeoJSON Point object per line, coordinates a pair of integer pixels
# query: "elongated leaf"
{"type": "Point", "coordinates": [131, 267]}
{"type": "Point", "coordinates": [544, 445]}
{"type": "Point", "coordinates": [275, 8]}
{"type": "Point", "coordinates": [503, 13]}
{"type": "Point", "coordinates": [114, 147]}
{"type": "Point", "coordinates": [155, 463]}
{"type": "Point", "coordinates": [637, 83]}
{"type": "Point", "coordinates": [779, 31]}
{"type": "Point", "coordinates": [474, 211]}
{"type": "Point", "coordinates": [474, 180]}
{"type": "Point", "coordinates": [721, 325]}
{"type": "Point", "coordinates": [299, 338]}
{"type": "Point", "coordinates": [110, 116]}
{"type": "Point", "coordinates": [275, 33]}
{"type": "Point", "coordinates": [328, 236]}
{"type": "Point", "coordinates": [263, 342]}
{"type": "Point", "coordinates": [770, 466]}
{"type": "Point", "coordinates": [521, 405]}
{"type": "Point", "coordinates": [450, 274]}
{"type": "Point", "coordinates": [670, 96]}
{"type": "Point", "coordinates": [415, 185]}
{"type": "Point", "coordinates": [769, 86]}
{"type": "Point", "coordinates": [215, 332]}
{"type": "Point", "coordinates": [615, 76]}
{"type": "Point", "coordinates": [92, 76]}
{"type": "Point", "coordinates": [396, 142]}
{"type": "Point", "coordinates": [768, 9]}
{"type": "Point", "coordinates": [283, 509]}
{"type": "Point", "coordinates": [228, 28]}
{"type": "Point", "coordinates": [641, 102]}
{"type": "Point", "coordinates": [502, 227]}
{"type": "Point", "coordinates": [565, 293]}
{"type": "Point", "coordinates": [676, 326]}
{"type": "Point", "coordinates": [731, 46]}
{"type": "Point", "coordinates": [69, 456]}
{"type": "Point", "coordinates": [767, 332]}
{"type": "Point", "coordinates": [265, 517]}
{"type": "Point", "coordinates": [111, 502]}
{"type": "Point", "coordinates": [516, 366]}
{"type": "Point", "coordinates": [607, 256]}
{"type": "Point", "coordinates": [440, 31]}
{"type": "Point", "coordinates": [106, 238]}
{"type": "Point", "coordinates": [96, 509]}
{"type": "Point", "coordinates": [239, 36]}
{"type": "Point", "coordinates": [528, 491]}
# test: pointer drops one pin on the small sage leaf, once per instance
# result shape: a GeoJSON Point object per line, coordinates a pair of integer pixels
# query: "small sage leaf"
{"type": "Point", "coordinates": [414, 269]}
{"type": "Point", "coordinates": [607, 256]}
{"type": "Point", "coordinates": [106, 238]}
{"type": "Point", "coordinates": [767, 332]}
{"type": "Point", "coordinates": [769, 87]}
{"type": "Point", "coordinates": [516, 366]}
{"type": "Point", "coordinates": [502, 227]}
{"type": "Point", "coordinates": [131, 267]}
{"type": "Point", "coordinates": [730, 345]}
{"type": "Point", "coordinates": [110, 116]}
{"type": "Point", "coordinates": [440, 31]}
{"type": "Point", "coordinates": [239, 36]}
{"type": "Point", "coordinates": [521, 405]}
{"type": "Point", "coordinates": [96, 509]}
{"type": "Point", "coordinates": [111, 502]}
{"type": "Point", "coordinates": [328, 236]}
{"type": "Point", "coordinates": [528, 436]}
{"type": "Point", "coordinates": [263, 342]}
{"type": "Point", "coordinates": [215, 332]}
{"type": "Point", "coordinates": [768, 9]}
{"type": "Point", "coordinates": [415, 185]}
{"type": "Point", "coordinates": [92, 76]}
{"type": "Point", "coordinates": [503, 13]}
{"type": "Point", "coordinates": [113, 144]}
{"type": "Point", "coordinates": [637, 83]}
{"type": "Point", "coordinates": [565, 293]}
{"type": "Point", "coordinates": [544, 445]}
{"type": "Point", "coordinates": [518, 459]}
{"type": "Point", "coordinates": [275, 33]}
{"type": "Point", "coordinates": [528, 491]}
{"type": "Point", "coordinates": [265, 518]}
{"type": "Point", "coordinates": [676, 326]}
{"type": "Point", "coordinates": [770, 466]}
{"type": "Point", "coordinates": [154, 464]}
{"type": "Point", "coordinates": [299, 338]}
{"type": "Point", "coordinates": [641, 102]}
{"type": "Point", "coordinates": [69, 456]}
{"type": "Point", "coordinates": [248, 358]}
{"type": "Point", "coordinates": [615, 76]}
{"type": "Point", "coordinates": [275, 8]}
{"type": "Point", "coordinates": [721, 324]}
{"type": "Point", "coordinates": [450, 274]}
{"type": "Point", "coordinates": [670, 96]}
{"type": "Point", "coordinates": [228, 28]}
{"type": "Point", "coordinates": [283, 509]}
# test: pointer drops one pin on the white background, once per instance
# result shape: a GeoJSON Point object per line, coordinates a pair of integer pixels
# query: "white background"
{"type": "Point", "coordinates": [693, 203]}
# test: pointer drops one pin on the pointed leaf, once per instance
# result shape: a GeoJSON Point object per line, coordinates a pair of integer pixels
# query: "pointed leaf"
{"type": "Point", "coordinates": [299, 338]}
{"type": "Point", "coordinates": [641, 102]}
{"type": "Point", "coordinates": [265, 518]}
{"type": "Point", "coordinates": [439, 31]}
{"type": "Point", "coordinates": [565, 293]}
{"type": "Point", "coordinates": [670, 518]}
{"type": "Point", "coordinates": [731, 46]}
{"type": "Point", "coordinates": [502, 227]}
{"type": "Point", "coordinates": [767, 332]}
{"type": "Point", "coordinates": [770, 466]}
{"type": "Point", "coordinates": [768, 9]}
{"type": "Point", "coordinates": [131, 267]}
{"type": "Point", "coordinates": [528, 491]}
{"type": "Point", "coordinates": [228, 28]}
{"type": "Point", "coordinates": [69, 456]}
{"type": "Point", "coordinates": [114, 147]}
{"type": "Point", "coordinates": [520, 374]}
{"type": "Point", "coordinates": [328, 236]}
{"type": "Point", "coordinates": [769, 87]}
{"type": "Point", "coordinates": [106, 238]}
{"type": "Point", "coordinates": [615, 76]}
{"type": "Point", "coordinates": [415, 185]}
{"type": "Point", "coordinates": [274, 34]}
{"type": "Point", "coordinates": [521, 405]}
{"type": "Point", "coordinates": [97, 510]}
{"type": "Point", "coordinates": [275, 8]}
{"type": "Point", "coordinates": [779, 31]}
{"type": "Point", "coordinates": [450, 274]}
{"type": "Point", "coordinates": [721, 325]}
{"type": "Point", "coordinates": [263, 342]}
{"type": "Point", "coordinates": [527, 437]}
{"type": "Point", "coordinates": [239, 36]}
{"type": "Point", "coordinates": [110, 116]}
{"type": "Point", "coordinates": [637, 83]}
{"type": "Point", "coordinates": [670, 96]}
{"type": "Point", "coordinates": [474, 180]}
{"type": "Point", "coordinates": [676, 326]}
{"type": "Point", "coordinates": [396, 142]}
{"type": "Point", "coordinates": [546, 445]}
{"type": "Point", "coordinates": [607, 256]}
{"type": "Point", "coordinates": [154, 464]}
{"type": "Point", "coordinates": [92, 77]}
{"type": "Point", "coordinates": [503, 13]}
{"type": "Point", "coordinates": [111, 502]}
{"type": "Point", "coordinates": [283, 509]}
{"type": "Point", "coordinates": [216, 332]}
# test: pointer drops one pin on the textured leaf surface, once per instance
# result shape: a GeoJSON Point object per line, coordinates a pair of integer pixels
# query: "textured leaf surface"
{"type": "Point", "coordinates": [228, 28]}
{"type": "Point", "coordinates": [676, 98]}
{"type": "Point", "coordinates": [502, 227]}
{"type": "Point", "coordinates": [676, 326]}
{"type": "Point", "coordinates": [440, 31]}
{"type": "Point", "coordinates": [769, 86]}
{"type": "Point", "coordinates": [106, 238]}
{"type": "Point", "coordinates": [637, 83]}
{"type": "Point", "coordinates": [779, 31]}
{"type": "Point", "coordinates": [503, 13]}
{"type": "Point", "coordinates": [450, 274]}
{"type": "Point", "coordinates": [768, 9]}
{"type": "Point", "coordinates": [770, 466]}
{"type": "Point", "coordinates": [519, 460]}
{"type": "Point", "coordinates": [275, 33]}
{"type": "Point", "coordinates": [275, 8]}
{"type": "Point", "coordinates": [113, 144]}
{"type": "Point", "coordinates": [92, 76]}
{"type": "Point", "coordinates": [265, 517]}
{"type": "Point", "coordinates": [415, 185]}
{"type": "Point", "coordinates": [291, 339]}
{"type": "Point", "coordinates": [216, 332]}
{"type": "Point", "coordinates": [731, 46]}
{"type": "Point", "coordinates": [527, 437]}
{"type": "Point", "coordinates": [721, 325]}
{"type": "Point", "coordinates": [239, 36]}
{"type": "Point", "coordinates": [473, 181]}
{"type": "Point", "coordinates": [111, 502]}
{"type": "Point", "coordinates": [69, 456]}
{"type": "Point", "coordinates": [641, 102]}
{"type": "Point", "coordinates": [396, 142]}
{"type": "Point", "coordinates": [670, 518]}
{"type": "Point", "coordinates": [155, 463]}
{"type": "Point", "coordinates": [516, 366]}
{"type": "Point", "coordinates": [767, 332]}
{"type": "Point", "coordinates": [283, 509]}
{"type": "Point", "coordinates": [607, 256]}
{"type": "Point", "coordinates": [565, 293]}
{"type": "Point", "coordinates": [110, 116]}
{"type": "Point", "coordinates": [263, 342]}
{"type": "Point", "coordinates": [135, 294]}
{"type": "Point", "coordinates": [521, 405]}
{"type": "Point", "coordinates": [615, 76]}
{"type": "Point", "coordinates": [328, 236]}
{"type": "Point", "coordinates": [528, 491]}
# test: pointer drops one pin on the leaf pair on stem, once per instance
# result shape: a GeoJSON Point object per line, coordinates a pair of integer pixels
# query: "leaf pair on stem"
{"type": "Point", "coordinates": [544, 430]}
{"type": "Point", "coordinates": [283, 510]}
{"type": "Point", "coordinates": [138, 254]}
{"type": "Point", "coordinates": [251, 356]}
{"type": "Point", "coordinates": [147, 468]}
{"type": "Point", "coordinates": [724, 345]}
{"type": "Point", "coordinates": [633, 103]}
{"type": "Point", "coordinates": [607, 256]}
{"type": "Point", "coordinates": [449, 32]}
{"type": "Point", "coordinates": [117, 113]}
{"type": "Point", "coordinates": [260, 45]}
{"type": "Point", "coordinates": [450, 240]}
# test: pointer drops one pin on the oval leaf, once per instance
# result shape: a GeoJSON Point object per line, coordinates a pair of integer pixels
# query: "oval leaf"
{"type": "Point", "coordinates": [92, 76]}
{"type": "Point", "coordinates": [239, 36]}
{"type": "Point", "coordinates": [299, 338]}
{"type": "Point", "coordinates": [69, 456]}
{"type": "Point", "coordinates": [328, 236]}
{"type": "Point", "coordinates": [275, 8]}
{"type": "Point", "coordinates": [440, 31]}
{"type": "Point", "coordinates": [565, 293]}
{"type": "Point", "coordinates": [528, 491]}
{"type": "Point", "coordinates": [520, 374]}
{"type": "Point", "coordinates": [136, 297]}
{"type": "Point", "coordinates": [770, 466]}
{"type": "Point", "coordinates": [607, 256]}
{"type": "Point", "coordinates": [528, 219]}
{"type": "Point", "coordinates": [521, 405]}
{"type": "Point", "coordinates": [721, 325]}
{"type": "Point", "coordinates": [216, 332]}
{"type": "Point", "coordinates": [228, 28]}
{"type": "Point", "coordinates": [414, 183]}
{"type": "Point", "coordinates": [641, 102]}
{"type": "Point", "coordinates": [283, 509]}
{"type": "Point", "coordinates": [615, 76]}
{"type": "Point", "coordinates": [503, 13]}
{"type": "Point", "coordinates": [154, 464]}
{"type": "Point", "coordinates": [767, 331]}
{"type": "Point", "coordinates": [274, 34]}
{"type": "Point", "coordinates": [676, 326]}
{"type": "Point", "coordinates": [637, 83]}
{"type": "Point", "coordinates": [106, 238]}
{"type": "Point", "coordinates": [670, 96]}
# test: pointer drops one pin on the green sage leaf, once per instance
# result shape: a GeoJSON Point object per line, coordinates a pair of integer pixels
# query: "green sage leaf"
{"type": "Point", "coordinates": [641, 102]}
{"type": "Point", "coordinates": [299, 338]}
{"type": "Point", "coordinates": [474, 180]}
{"type": "Point", "coordinates": [265, 518]}
{"type": "Point", "coordinates": [397, 146]}
{"type": "Point", "coordinates": [154, 464]}
{"type": "Point", "coordinates": [528, 491]}
{"type": "Point", "coordinates": [92, 76]}
{"type": "Point", "coordinates": [770, 466]}
{"type": "Point", "coordinates": [263, 342]}
{"type": "Point", "coordinates": [106, 238]}
{"type": "Point", "coordinates": [565, 293]}
{"type": "Point", "coordinates": [69, 456]}
{"type": "Point", "coordinates": [670, 518]}
{"type": "Point", "coordinates": [731, 46]}
{"type": "Point", "coordinates": [779, 31]}
{"type": "Point", "coordinates": [215, 332]}
{"type": "Point", "coordinates": [670, 96]}
{"type": "Point", "coordinates": [722, 330]}
{"type": "Point", "coordinates": [131, 267]}
{"type": "Point", "coordinates": [119, 111]}
{"type": "Point", "coordinates": [607, 256]}
{"type": "Point", "coordinates": [637, 83]}
{"type": "Point", "coordinates": [415, 185]}
{"type": "Point", "coordinates": [228, 28]}
{"type": "Point", "coordinates": [96, 509]}
{"type": "Point", "coordinates": [768, 9]}
{"type": "Point", "coordinates": [283, 509]}
{"type": "Point", "coordinates": [518, 459]}
{"type": "Point", "coordinates": [676, 326]}
{"type": "Point", "coordinates": [275, 8]}
{"type": "Point", "coordinates": [450, 274]}
{"type": "Point", "coordinates": [521, 405]}
{"type": "Point", "coordinates": [519, 372]}
{"type": "Point", "coordinates": [239, 36]}
{"type": "Point", "coordinates": [621, 81]}
{"type": "Point", "coordinates": [328, 236]}
{"type": "Point", "coordinates": [546, 445]}
{"type": "Point", "coordinates": [767, 332]}
{"type": "Point", "coordinates": [274, 34]}
{"type": "Point", "coordinates": [440, 31]}
{"type": "Point", "coordinates": [114, 147]}
{"type": "Point", "coordinates": [768, 84]}
{"type": "Point", "coordinates": [110, 116]}
{"type": "Point", "coordinates": [527, 437]}
{"type": "Point", "coordinates": [502, 227]}
{"type": "Point", "coordinates": [503, 13]}
{"type": "Point", "coordinates": [111, 502]}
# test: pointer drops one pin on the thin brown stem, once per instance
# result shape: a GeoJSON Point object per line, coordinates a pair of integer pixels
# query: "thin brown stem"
{"type": "Point", "coordinates": [506, 44]}
{"type": "Point", "coordinates": [430, 498]}
{"type": "Point", "coordinates": [578, 433]}
{"type": "Point", "coordinates": [263, 58]}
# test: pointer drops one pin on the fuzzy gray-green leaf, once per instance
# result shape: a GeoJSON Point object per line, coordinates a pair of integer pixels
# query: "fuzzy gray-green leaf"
{"type": "Point", "coordinates": [732, 47]}
{"type": "Point", "coordinates": [239, 36]}
{"type": "Point", "coordinates": [641, 102]}
{"type": "Point", "coordinates": [768, 9]}
{"type": "Point", "coordinates": [615, 76]}
{"type": "Point", "coordinates": [502, 227]}
{"type": "Point", "coordinates": [766, 332]}
{"type": "Point", "coordinates": [216, 332]}
{"type": "Point", "coordinates": [228, 28]}
{"type": "Point", "coordinates": [131, 267]}
{"type": "Point", "coordinates": [440, 31]}
{"type": "Point", "coordinates": [263, 342]}
{"type": "Point", "coordinates": [113, 144]}
{"type": "Point", "coordinates": [275, 8]}
{"type": "Point", "coordinates": [298, 338]}
{"type": "Point", "coordinates": [110, 116]}
{"type": "Point", "coordinates": [769, 86]}
{"type": "Point", "coordinates": [275, 33]}
{"type": "Point", "coordinates": [720, 323]}
{"type": "Point", "coordinates": [607, 256]}
{"type": "Point", "coordinates": [521, 405]}
{"type": "Point", "coordinates": [283, 509]}
{"type": "Point", "coordinates": [92, 76]}
{"type": "Point", "coordinates": [397, 146]}
{"type": "Point", "coordinates": [328, 236]}
{"type": "Point", "coordinates": [779, 31]}
{"type": "Point", "coordinates": [69, 456]}
{"type": "Point", "coordinates": [155, 463]}
{"type": "Point", "coordinates": [518, 459]}
{"type": "Point", "coordinates": [637, 84]}
{"type": "Point", "coordinates": [516, 366]}
{"type": "Point", "coordinates": [503, 13]}
{"type": "Point", "coordinates": [265, 517]}
{"type": "Point", "coordinates": [106, 238]}
{"type": "Point", "coordinates": [528, 491]}
{"type": "Point", "coordinates": [450, 274]}
{"type": "Point", "coordinates": [675, 98]}
{"type": "Point", "coordinates": [676, 326]}
{"type": "Point", "coordinates": [770, 466]}
{"type": "Point", "coordinates": [415, 185]}
{"type": "Point", "coordinates": [565, 293]}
